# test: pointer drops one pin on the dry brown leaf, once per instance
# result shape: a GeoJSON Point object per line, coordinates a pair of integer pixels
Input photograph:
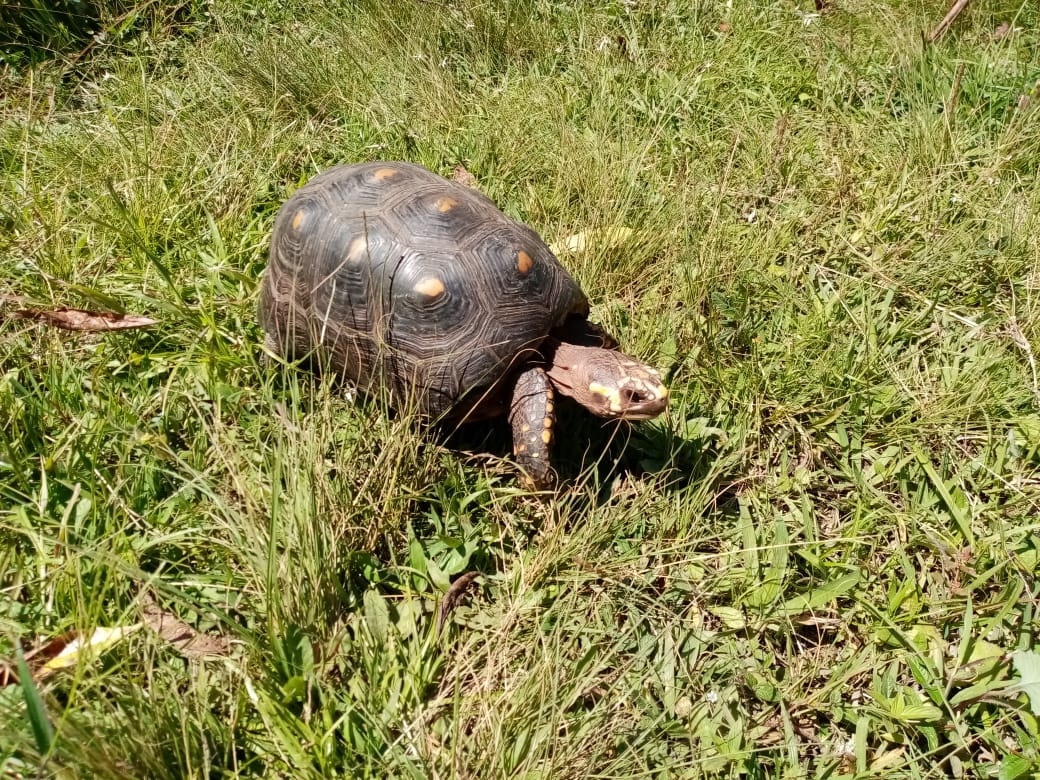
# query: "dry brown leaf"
{"type": "Point", "coordinates": [184, 639]}
{"type": "Point", "coordinates": [462, 176]}
{"type": "Point", "coordinates": [816, 620]}
{"type": "Point", "coordinates": [454, 597]}
{"type": "Point", "coordinates": [42, 653]}
{"type": "Point", "coordinates": [604, 238]}
{"type": "Point", "coordinates": [65, 651]}
{"type": "Point", "coordinates": [8, 675]}
{"type": "Point", "coordinates": [72, 653]}
{"type": "Point", "coordinates": [35, 657]}
{"type": "Point", "coordinates": [11, 300]}
{"type": "Point", "coordinates": [82, 320]}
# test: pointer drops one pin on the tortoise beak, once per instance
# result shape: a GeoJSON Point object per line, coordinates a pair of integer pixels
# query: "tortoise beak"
{"type": "Point", "coordinates": [637, 396]}
{"type": "Point", "coordinates": [642, 400]}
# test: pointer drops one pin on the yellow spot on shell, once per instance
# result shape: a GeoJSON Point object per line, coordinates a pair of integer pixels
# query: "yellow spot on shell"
{"type": "Point", "coordinates": [521, 449]}
{"type": "Point", "coordinates": [385, 173]}
{"type": "Point", "coordinates": [547, 422]}
{"type": "Point", "coordinates": [524, 263]}
{"type": "Point", "coordinates": [547, 436]}
{"type": "Point", "coordinates": [548, 407]}
{"type": "Point", "coordinates": [446, 204]}
{"type": "Point", "coordinates": [525, 428]}
{"type": "Point", "coordinates": [297, 219]}
{"type": "Point", "coordinates": [431, 287]}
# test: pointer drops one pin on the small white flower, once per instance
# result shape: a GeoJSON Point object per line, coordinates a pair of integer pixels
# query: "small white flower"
{"type": "Point", "coordinates": [711, 697]}
{"type": "Point", "coordinates": [751, 216]}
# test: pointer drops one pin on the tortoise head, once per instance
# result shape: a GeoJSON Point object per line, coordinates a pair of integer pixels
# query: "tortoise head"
{"type": "Point", "coordinates": [606, 382]}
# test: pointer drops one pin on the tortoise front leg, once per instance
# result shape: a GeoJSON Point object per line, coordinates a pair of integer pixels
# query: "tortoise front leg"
{"type": "Point", "coordinates": [532, 417]}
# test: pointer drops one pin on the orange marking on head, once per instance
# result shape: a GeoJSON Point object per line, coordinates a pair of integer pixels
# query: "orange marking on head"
{"type": "Point", "coordinates": [431, 287]}
{"type": "Point", "coordinates": [446, 204]}
{"type": "Point", "coordinates": [524, 263]}
{"type": "Point", "coordinates": [385, 173]}
{"type": "Point", "coordinates": [297, 219]}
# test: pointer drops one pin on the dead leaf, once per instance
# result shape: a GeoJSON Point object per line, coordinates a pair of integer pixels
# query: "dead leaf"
{"type": "Point", "coordinates": [184, 639]}
{"type": "Point", "coordinates": [605, 238]}
{"type": "Point", "coordinates": [816, 620]}
{"type": "Point", "coordinates": [34, 656]}
{"type": "Point", "coordinates": [42, 653]}
{"type": "Point", "coordinates": [65, 652]}
{"type": "Point", "coordinates": [462, 176]}
{"type": "Point", "coordinates": [86, 321]}
{"type": "Point", "coordinates": [454, 596]}
{"type": "Point", "coordinates": [11, 300]}
{"type": "Point", "coordinates": [8, 675]}
{"type": "Point", "coordinates": [72, 653]}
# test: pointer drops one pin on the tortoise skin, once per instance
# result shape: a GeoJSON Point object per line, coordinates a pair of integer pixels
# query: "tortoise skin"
{"type": "Point", "coordinates": [402, 280]}
{"type": "Point", "coordinates": [532, 417]}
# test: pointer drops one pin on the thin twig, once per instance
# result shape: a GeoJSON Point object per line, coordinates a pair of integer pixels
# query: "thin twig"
{"type": "Point", "coordinates": [944, 25]}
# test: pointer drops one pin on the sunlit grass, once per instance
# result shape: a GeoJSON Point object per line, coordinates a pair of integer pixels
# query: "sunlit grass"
{"type": "Point", "coordinates": [820, 562]}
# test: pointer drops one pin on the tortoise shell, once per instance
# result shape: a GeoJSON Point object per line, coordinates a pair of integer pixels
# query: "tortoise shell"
{"type": "Point", "coordinates": [402, 280]}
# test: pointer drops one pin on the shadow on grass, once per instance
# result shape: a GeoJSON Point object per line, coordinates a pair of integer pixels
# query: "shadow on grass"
{"type": "Point", "coordinates": [599, 452]}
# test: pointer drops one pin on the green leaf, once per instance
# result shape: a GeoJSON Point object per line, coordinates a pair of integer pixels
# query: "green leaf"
{"type": "Point", "coordinates": [916, 712]}
{"type": "Point", "coordinates": [440, 580]}
{"type": "Point", "coordinates": [821, 596]}
{"type": "Point", "coordinates": [1014, 767]}
{"type": "Point", "coordinates": [958, 510]}
{"type": "Point", "coordinates": [983, 659]}
{"type": "Point", "coordinates": [43, 731]}
{"type": "Point", "coordinates": [377, 615]}
{"type": "Point", "coordinates": [732, 618]}
{"type": "Point", "coordinates": [417, 556]}
{"type": "Point", "coordinates": [1027, 664]}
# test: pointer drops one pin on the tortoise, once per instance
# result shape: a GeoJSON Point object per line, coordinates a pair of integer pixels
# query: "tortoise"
{"type": "Point", "coordinates": [407, 283]}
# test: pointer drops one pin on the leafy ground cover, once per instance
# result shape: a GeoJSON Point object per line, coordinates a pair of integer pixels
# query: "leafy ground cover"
{"type": "Point", "coordinates": [822, 561]}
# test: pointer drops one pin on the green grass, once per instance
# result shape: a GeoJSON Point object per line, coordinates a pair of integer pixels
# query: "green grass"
{"type": "Point", "coordinates": [821, 563]}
